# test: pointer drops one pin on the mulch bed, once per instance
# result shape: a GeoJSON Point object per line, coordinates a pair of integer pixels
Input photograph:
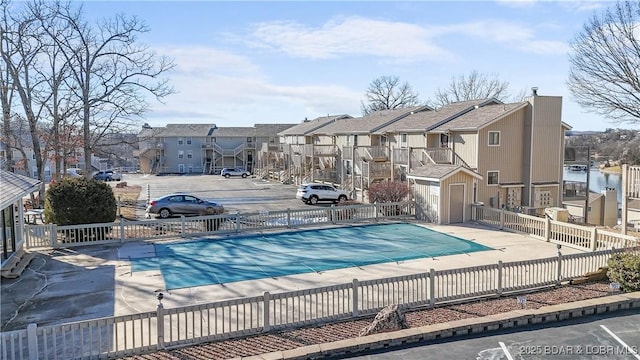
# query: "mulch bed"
{"type": "Point", "coordinates": [291, 339]}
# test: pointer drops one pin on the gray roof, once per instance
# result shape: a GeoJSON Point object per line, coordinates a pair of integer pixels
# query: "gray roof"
{"type": "Point", "coordinates": [370, 122]}
{"type": "Point", "coordinates": [178, 130]}
{"type": "Point", "coordinates": [439, 171]}
{"type": "Point", "coordinates": [239, 131]}
{"type": "Point", "coordinates": [15, 186]}
{"type": "Point", "coordinates": [308, 126]}
{"type": "Point", "coordinates": [271, 129]}
{"type": "Point", "coordinates": [480, 117]}
{"type": "Point", "coordinates": [422, 121]}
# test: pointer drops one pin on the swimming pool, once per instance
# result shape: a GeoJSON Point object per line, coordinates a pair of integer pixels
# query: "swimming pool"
{"type": "Point", "coordinates": [216, 261]}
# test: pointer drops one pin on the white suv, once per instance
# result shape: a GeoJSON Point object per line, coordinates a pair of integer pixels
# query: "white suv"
{"type": "Point", "coordinates": [312, 193]}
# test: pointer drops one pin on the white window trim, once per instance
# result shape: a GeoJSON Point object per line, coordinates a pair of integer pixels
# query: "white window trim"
{"type": "Point", "coordinates": [180, 141]}
{"type": "Point", "coordinates": [493, 171]}
{"type": "Point", "coordinates": [189, 154]}
{"type": "Point", "coordinates": [489, 138]}
{"type": "Point", "coordinates": [180, 154]}
{"type": "Point", "coordinates": [189, 140]}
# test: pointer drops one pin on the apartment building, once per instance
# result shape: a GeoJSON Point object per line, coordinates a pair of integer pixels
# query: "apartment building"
{"type": "Point", "coordinates": [204, 148]}
{"type": "Point", "coordinates": [480, 151]}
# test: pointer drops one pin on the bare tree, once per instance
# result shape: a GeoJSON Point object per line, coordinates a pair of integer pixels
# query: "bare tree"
{"type": "Point", "coordinates": [605, 64]}
{"type": "Point", "coordinates": [386, 92]}
{"type": "Point", "coordinates": [113, 74]}
{"type": "Point", "coordinates": [22, 37]}
{"type": "Point", "coordinates": [475, 86]}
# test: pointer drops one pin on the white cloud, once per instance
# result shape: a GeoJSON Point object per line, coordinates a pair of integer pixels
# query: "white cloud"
{"type": "Point", "coordinates": [518, 36]}
{"type": "Point", "coordinates": [349, 36]}
{"type": "Point", "coordinates": [221, 87]}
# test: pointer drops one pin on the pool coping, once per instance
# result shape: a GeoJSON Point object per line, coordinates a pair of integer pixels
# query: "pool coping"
{"type": "Point", "coordinates": [471, 326]}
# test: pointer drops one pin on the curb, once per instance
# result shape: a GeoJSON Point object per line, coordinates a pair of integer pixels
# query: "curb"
{"type": "Point", "coordinates": [515, 318]}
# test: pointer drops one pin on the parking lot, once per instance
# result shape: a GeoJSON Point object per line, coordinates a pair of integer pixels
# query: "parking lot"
{"type": "Point", "coordinates": [235, 194]}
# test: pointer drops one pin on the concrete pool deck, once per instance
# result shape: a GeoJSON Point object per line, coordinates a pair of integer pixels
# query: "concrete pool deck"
{"type": "Point", "coordinates": [96, 281]}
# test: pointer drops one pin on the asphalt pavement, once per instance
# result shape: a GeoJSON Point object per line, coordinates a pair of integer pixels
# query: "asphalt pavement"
{"type": "Point", "coordinates": [608, 336]}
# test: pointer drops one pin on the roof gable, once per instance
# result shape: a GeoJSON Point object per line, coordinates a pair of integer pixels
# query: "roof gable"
{"type": "Point", "coordinates": [15, 186]}
{"type": "Point", "coordinates": [439, 172]}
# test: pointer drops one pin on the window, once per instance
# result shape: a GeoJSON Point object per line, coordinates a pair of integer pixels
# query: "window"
{"type": "Point", "coordinates": [383, 140]}
{"type": "Point", "coordinates": [494, 138]}
{"type": "Point", "coordinates": [188, 141]}
{"type": "Point", "coordinates": [180, 141]}
{"type": "Point", "coordinates": [403, 140]}
{"type": "Point", "coordinates": [249, 140]}
{"type": "Point", "coordinates": [189, 154]}
{"type": "Point", "coordinates": [180, 154]}
{"type": "Point", "coordinates": [492, 177]}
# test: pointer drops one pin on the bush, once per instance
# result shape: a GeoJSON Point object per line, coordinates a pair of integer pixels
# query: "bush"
{"type": "Point", "coordinates": [625, 269]}
{"type": "Point", "coordinates": [388, 191]}
{"type": "Point", "coordinates": [73, 201]}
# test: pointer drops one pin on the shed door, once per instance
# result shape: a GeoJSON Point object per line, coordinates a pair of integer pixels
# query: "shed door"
{"type": "Point", "coordinates": [456, 203]}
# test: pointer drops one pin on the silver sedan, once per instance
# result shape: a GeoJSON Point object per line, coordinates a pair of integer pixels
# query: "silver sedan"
{"type": "Point", "coordinates": [183, 204]}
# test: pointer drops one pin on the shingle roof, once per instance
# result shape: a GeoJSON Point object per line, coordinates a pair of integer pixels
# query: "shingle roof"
{"type": "Point", "coordinates": [421, 121]}
{"type": "Point", "coordinates": [233, 131]}
{"type": "Point", "coordinates": [480, 117]}
{"type": "Point", "coordinates": [438, 171]}
{"type": "Point", "coordinates": [14, 187]}
{"type": "Point", "coordinates": [311, 125]}
{"type": "Point", "coordinates": [177, 130]}
{"type": "Point", "coordinates": [368, 123]}
{"type": "Point", "coordinates": [271, 129]}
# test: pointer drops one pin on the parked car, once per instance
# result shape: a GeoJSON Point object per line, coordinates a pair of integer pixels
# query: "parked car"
{"type": "Point", "coordinates": [229, 172]}
{"type": "Point", "coordinates": [73, 172]}
{"type": "Point", "coordinates": [312, 193]}
{"type": "Point", "coordinates": [107, 175]}
{"type": "Point", "coordinates": [183, 204]}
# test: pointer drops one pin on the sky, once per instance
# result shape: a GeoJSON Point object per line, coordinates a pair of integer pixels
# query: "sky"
{"type": "Point", "coordinates": [239, 63]}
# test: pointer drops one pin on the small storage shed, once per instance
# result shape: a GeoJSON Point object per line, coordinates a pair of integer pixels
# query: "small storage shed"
{"type": "Point", "coordinates": [443, 193]}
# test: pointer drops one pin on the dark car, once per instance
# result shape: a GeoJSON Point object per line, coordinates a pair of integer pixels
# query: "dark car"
{"type": "Point", "coordinates": [229, 172]}
{"type": "Point", "coordinates": [183, 204]}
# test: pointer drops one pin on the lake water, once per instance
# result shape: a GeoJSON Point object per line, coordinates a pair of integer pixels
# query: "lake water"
{"type": "Point", "coordinates": [598, 180]}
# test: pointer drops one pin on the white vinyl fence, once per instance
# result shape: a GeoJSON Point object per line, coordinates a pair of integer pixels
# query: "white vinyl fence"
{"type": "Point", "coordinates": [573, 235]}
{"type": "Point", "coordinates": [54, 236]}
{"type": "Point", "coordinates": [119, 336]}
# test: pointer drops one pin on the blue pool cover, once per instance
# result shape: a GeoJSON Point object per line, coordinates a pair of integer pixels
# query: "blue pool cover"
{"type": "Point", "coordinates": [215, 261]}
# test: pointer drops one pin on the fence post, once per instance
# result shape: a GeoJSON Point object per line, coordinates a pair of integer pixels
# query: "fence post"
{"type": "Point", "coordinates": [501, 218]}
{"type": "Point", "coordinates": [53, 236]}
{"type": "Point", "coordinates": [160, 325]}
{"type": "Point", "coordinates": [432, 287]}
{"type": "Point", "coordinates": [499, 277]}
{"type": "Point", "coordinates": [375, 211]}
{"type": "Point", "coordinates": [266, 324]}
{"type": "Point", "coordinates": [356, 285]}
{"type": "Point", "coordinates": [121, 228]}
{"type": "Point", "coordinates": [237, 221]}
{"type": "Point", "coordinates": [288, 218]}
{"type": "Point", "coordinates": [547, 229]}
{"type": "Point", "coordinates": [32, 341]}
{"type": "Point", "coordinates": [594, 239]}
{"type": "Point", "coordinates": [183, 226]}
{"type": "Point", "coordinates": [559, 277]}
{"type": "Point", "coordinates": [332, 214]}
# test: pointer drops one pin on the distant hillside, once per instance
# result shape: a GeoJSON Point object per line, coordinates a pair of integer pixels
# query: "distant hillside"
{"type": "Point", "coordinates": [611, 144]}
